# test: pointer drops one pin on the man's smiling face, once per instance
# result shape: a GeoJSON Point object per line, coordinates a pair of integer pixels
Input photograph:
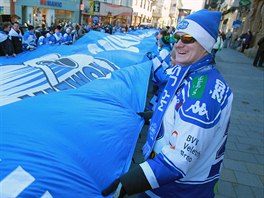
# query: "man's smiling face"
{"type": "Point", "coordinates": [188, 53]}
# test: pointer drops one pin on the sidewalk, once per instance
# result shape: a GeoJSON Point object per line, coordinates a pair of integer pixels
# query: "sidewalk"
{"type": "Point", "coordinates": [242, 175]}
{"type": "Point", "coordinates": [243, 172]}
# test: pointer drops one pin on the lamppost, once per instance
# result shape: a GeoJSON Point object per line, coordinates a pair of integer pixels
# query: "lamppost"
{"type": "Point", "coordinates": [12, 7]}
{"type": "Point", "coordinates": [81, 12]}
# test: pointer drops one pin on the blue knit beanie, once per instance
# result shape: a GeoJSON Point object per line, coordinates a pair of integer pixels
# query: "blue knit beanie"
{"type": "Point", "coordinates": [203, 25]}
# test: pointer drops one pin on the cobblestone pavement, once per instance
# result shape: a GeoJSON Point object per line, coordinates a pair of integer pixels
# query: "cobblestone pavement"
{"type": "Point", "coordinates": [242, 175]}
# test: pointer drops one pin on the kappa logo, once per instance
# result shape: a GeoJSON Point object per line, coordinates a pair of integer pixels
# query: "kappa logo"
{"type": "Point", "coordinates": [199, 109]}
{"type": "Point", "coordinates": [183, 25]}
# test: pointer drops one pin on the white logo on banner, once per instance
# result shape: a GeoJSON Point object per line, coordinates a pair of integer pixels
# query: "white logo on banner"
{"type": "Point", "coordinates": [16, 182]}
{"type": "Point", "coordinates": [118, 42]}
{"type": "Point", "coordinates": [51, 73]}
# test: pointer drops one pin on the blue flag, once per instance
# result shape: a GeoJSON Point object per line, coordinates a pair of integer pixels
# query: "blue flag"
{"type": "Point", "coordinates": [53, 68]}
{"type": "Point", "coordinates": [75, 142]}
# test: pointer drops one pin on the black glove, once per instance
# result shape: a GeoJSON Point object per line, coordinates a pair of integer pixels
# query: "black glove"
{"type": "Point", "coordinates": [116, 187]}
{"type": "Point", "coordinates": [150, 55]}
{"type": "Point", "coordinates": [132, 182]}
{"type": "Point", "coordinates": [146, 115]}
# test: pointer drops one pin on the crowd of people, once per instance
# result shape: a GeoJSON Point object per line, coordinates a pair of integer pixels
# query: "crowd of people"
{"type": "Point", "coordinates": [235, 41]}
{"type": "Point", "coordinates": [14, 41]}
{"type": "Point", "coordinates": [240, 42]}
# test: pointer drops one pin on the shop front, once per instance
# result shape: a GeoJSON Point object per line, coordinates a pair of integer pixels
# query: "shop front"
{"type": "Point", "coordinates": [106, 13]}
{"type": "Point", "coordinates": [47, 12]}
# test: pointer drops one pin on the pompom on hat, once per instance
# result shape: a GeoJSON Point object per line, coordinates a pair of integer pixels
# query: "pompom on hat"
{"type": "Point", "coordinates": [203, 25]}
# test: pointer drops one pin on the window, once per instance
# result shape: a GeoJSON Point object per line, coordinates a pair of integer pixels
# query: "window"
{"type": "Point", "coordinates": [1, 9]}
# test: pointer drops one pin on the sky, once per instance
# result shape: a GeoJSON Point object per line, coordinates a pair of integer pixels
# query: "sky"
{"type": "Point", "coordinates": [194, 5]}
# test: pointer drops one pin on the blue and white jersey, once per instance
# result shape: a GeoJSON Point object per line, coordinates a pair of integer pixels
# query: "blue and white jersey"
{"type": "Point", "coordinates": [162, 60]}
{"type": "Point", "coordinates": [58, 37]}
{"type": "Point", "coordinates": [191, 142]}
{"type": "Point", "coordinates": [3, 36]}
{"type": "Point", "coordinates": [51, 39]}
{"type": "Point", "coordinates": [42, 40]}
{"type": "Point", "coordinates": [13, 33]}
{"type": "Point", "coordinates": [67, 39]}
{"type": "Point", "coordinates": [29, 40]}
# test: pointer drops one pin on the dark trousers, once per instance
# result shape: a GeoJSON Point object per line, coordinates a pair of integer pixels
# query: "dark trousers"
{"type": "Point", "coordinates": [259, 58]}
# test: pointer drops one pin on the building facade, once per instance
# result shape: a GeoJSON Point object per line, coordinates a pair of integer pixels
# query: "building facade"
{"type": "Point", "coordinates": [106, 12]}
{"type": "Point", "coordinates": [170, 12]}
{"type": "Point", "coordinates": [5, 7]}
{"type": "Point", "coordinates": [242, 15]}
{"type": "Point", "coordinates": [38, 12]}
{"type": "Point", "coordinates": [142, 11]}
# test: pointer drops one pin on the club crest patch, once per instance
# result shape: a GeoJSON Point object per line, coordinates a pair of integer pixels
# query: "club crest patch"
{"type": "Point", "coordinates": [182, 25]}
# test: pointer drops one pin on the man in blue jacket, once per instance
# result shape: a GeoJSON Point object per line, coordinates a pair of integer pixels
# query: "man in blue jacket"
{"type": "Point", "coordinates": [188, 131]}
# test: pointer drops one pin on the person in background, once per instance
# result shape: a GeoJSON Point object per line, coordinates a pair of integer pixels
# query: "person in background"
{"type": "Point", "coordinates": [74, 32]}
{"type": "Point", "coordinates": [218, 45]}
{"type": "Point", "coordinates": [67, 37]}
{"type": "Point", "coordinates": [228, 36]}
{"type": "Point", "coordinates": [234, 38]}
{"type": "Point", "coordinates": [30, 39]}
{"type": "Point", "coordinates": [223, 35]}
{"type": "Point", "coordinates": [58, 35]}
{"type": "Point", "coordinates": [259, 58]}
{"type": "Point", "coordinates": [42, 39]}
{"type": "Point", "coordinates": [162, 33]}
{"type": "Point", "coordinates": [16, 37]}
{"type": "Point", "coordinates": [38, 32]}
{"type": "Point", "coordinates": [50, 38]}
{"type": "Point", "coordinates": [188, 131]}
{"type": "Point", "coordinates": [6, 45]}
{"type": "Point", "coordinates": [246, 41]}
{"type": "Point", "coordinates": [81, 31]}
{"type": "Point", "coordinates": [52, 27]}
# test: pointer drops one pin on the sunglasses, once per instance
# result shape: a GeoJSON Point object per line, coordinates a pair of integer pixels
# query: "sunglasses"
{"type": "Point", "coordinates": [186, 38]}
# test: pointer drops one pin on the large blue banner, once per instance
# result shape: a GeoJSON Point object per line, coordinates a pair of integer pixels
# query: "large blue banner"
{"type": "Point", "coordinates": [75, 142]}
{"type": "Point", "coordinates": [53, 68]}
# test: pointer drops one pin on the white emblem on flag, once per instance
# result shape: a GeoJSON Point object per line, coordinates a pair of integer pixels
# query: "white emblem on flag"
{"type": "Point", "coordinates": [14, 183]}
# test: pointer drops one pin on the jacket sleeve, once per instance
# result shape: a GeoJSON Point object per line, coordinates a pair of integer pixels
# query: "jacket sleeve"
{"type": "Point", "coordinates": [160, 75]}
{"type": "Point", "coordinates": [158, 60]}
{"type": "Point", "coordinates": [2, 49]}
{"type": "Point", "coordinates": [160, 171]}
